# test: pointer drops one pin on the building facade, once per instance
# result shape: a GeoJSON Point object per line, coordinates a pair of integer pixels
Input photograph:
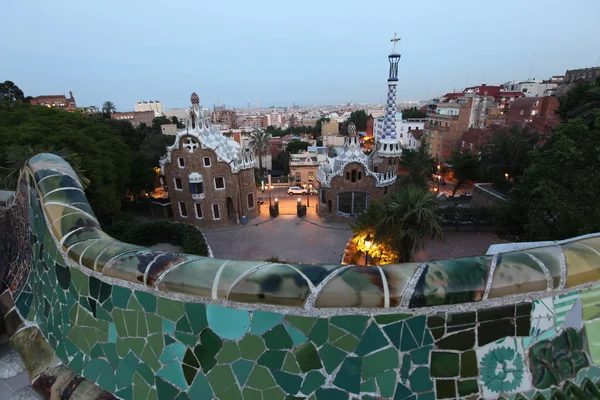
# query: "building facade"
{"type": "Point", "coordinates": [575, 76]}
{"type": "Point", "coordinates": [407, 130]}
{"type": "Point", "coordinates": [535, 111]}
{"type": "Point", "coordinates": [210, 177]}
{"type": "Point", "coordinates": [134, 117]}
{"type": "Point", "coordinates": [59, 101]}
{"type": "Point", "coordinates": [153, 105]}
{"type": "Point", "coordinates": [304, 166]}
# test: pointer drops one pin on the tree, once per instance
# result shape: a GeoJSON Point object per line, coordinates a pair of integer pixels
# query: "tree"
{"type": "Point", "coordinates": [296, 146]}
{"type": "Point", "coordinates": [558, 195]}
{"type": "Point", "coordinates": [175, 120]}
{"type": "Point", "coordinates": [413, 112]}
{"type": "Point", "coordinates": [580, 102]}
{"type": "Point", "coordinates": [158, 121]}
{"type": "Point", "coordinates": [10, 92]}
{"type": "Point", "coordinates": [260, 141]}
{"type": "Point", "coordinates": [108, 107]}
{"type": "Point", "coordinates": [360, 118]}
{"type": "Point", "coordinates": [319, 124]}
{"type": "Point", "coordinates": [406, 218]}
{"type": "Point", "coordinates": [464, 166]}
{"type": "Point", "coordinates": [419, 165]}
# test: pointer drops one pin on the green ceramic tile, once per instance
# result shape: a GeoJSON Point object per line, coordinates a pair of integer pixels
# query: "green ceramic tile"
{"type": "Point", "coordinates": [120, 296]}
{"type": "Point", "coordinates": [150, 358]}
{"type": "Point", "coordinates": [468, 364]}
{"type": "Point", "coordinates": [331, 357]}
{"type": "Point", "coordinates": [251, 347]}
{"type": "Point", "coordinates": [355, 324]}
{"type": "Point", "coordinates": [421, 356]}
{"type": "Point", "coordinates": [168, 326]}
{"type": "Point", "coordinates": [272, 359]}
{"type": "Point", "coordinates": [420, 381]}
{"type": "Point", "coordinates": [229, 353]}
{"type": "Point", "coordinates": [278, 338]}
{"type": "Point", "coordinates": [173, 373]}
{"type": "Point", "coordinates": [156, 343]}
{"type": "Point", "coordinates": [124, 374]}
{"type": "Point", "coordinates": [387, 383]}
{"type": "Point", "coordinates": [200, 389]}
{"type": "Point", "coordinates": [304, 324]}
{"type": "Point", "coordinates": [154, 323]}
{"type": "Point", "coordinates": [290, 364]}
{"type": "Point", "coordinates": [183, 325]}
{"type": "Point", "coordinates": [379, 362]}
{"type": "Point", "coordinates": [147, 301]}
{"type": "Point", "coordinates": [126, 394]}
{"type": "Point", "coordinates": [405, 367]}
{"type": "Point", "coordinates": [170, 309]}
{"type": "Point", "coordinates": [241, 369]}
{"type": "Point", "coordinates": [369, 386]}
{"type": "Point", "coordinates": [444, 364]}
{"type": "Point", "coordinates": [402, 392]}
{"type": "Point", "coordinates": [134, 304]}
{"type": "Point", "coordinates": [348, 376]}
{"type": "Point", "coordinates": [335, 333]}
{"type": "Point", "coordinates": [445, 388]}
{"type": "Point", "coordinates": [251, 394]}
{"type": "Point", "coordinates": [331, 394]}
{"type": "Point", "coordinates": [186, 338]}
{"type": "Point", "coordinates": [391, 318]}
{"type": "Point", "coordinates": [221, 378]}
{"type": "Point", "coordinates": [394, 332]}
{"type": "Point", "coordinates": [145, 372]}
{"type": "Point", "coordinates": [165, 390]}
{"type": "Point", "coordinates": [140, 387]}
{"type": "Point", "coordinates": [262, 321]}
{"type": "Point", "coordinates": [347, 343]}
{"type": "Point", "coordinates": [80, 282]}
{"type": "Point", "coordinates": [260, 378]}
{"type": "Point", "coordinates": [295, 334]}
{"type": "Point", "coordinates": [274, 393]}
{"type": "Point", "coordinates": [288, 382]}
{"type": "Point", "coordinates": [307, 357]}
{"type": "Point", "coordinates": [320, 332]}
{"type": "Point", "coordinates": [312, 382]}
{"type": "Point", "coordinates": [196, 314]}
{"type": "Point", "coordinates": [371, 341]}
{"type": "Point", "coordinates": [467, 387]}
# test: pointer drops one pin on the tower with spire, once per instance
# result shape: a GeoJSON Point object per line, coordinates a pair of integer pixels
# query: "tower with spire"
{"type": "Point", "coordinates": [388, 144]}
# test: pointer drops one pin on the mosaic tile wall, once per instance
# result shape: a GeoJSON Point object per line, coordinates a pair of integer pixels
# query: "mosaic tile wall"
{"type": "Point", "coordinates": [146, 324]}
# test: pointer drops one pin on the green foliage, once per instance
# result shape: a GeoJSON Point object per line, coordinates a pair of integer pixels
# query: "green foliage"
{"type": "Point", "coordinates": [105, 158]}
{"type": "Point", "coordinates": [260, 141]}
{"type": "Point", "coordinates": [282, 161]}
{"type": "Point", "coordinates": [296, 130]}
{"type": "Point", "coordinates": [419, 165]}
{"type": "Point", "coordinates": [360, 118]}
{"type": "Point", "coordinates": [295, 146]}
{"type": "Point", "coordinates": [320, 123]}
{"type": "Point", "coordinates": [580, 102]}
{"type": "Point", "coordinates": [150, 233]}
{"type": "Point", "coordinates": [108, 107]}
{"type": "Point", "coordinates": [557, 197]}
{"type": "Point", "coordinates": [413, 112]}
{"type": "Point", "coordinates": [465, 166]}
{"type": "Point", "coordinates": [10, 92]}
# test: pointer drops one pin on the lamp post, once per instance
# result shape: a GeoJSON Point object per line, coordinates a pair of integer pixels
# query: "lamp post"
{"type": "Point", "coordinates": [368, 243]}
{"type": "Point", "coordinates": [299, 201]}
{"type": "Point", "coordinates": [439, 177]}
{"type": "Point", "coordinates": [506, 176]}
{"type": "Point", "coordinates": [308, 194]}
{"type": "Point", "coordinates": [269, 188]}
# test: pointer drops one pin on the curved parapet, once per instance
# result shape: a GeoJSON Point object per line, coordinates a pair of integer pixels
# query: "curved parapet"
{"type": "Point", "coordinates": [142, 323]}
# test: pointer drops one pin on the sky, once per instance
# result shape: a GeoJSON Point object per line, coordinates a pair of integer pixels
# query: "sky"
{"type": "Point", "coordinates": [282, 52]}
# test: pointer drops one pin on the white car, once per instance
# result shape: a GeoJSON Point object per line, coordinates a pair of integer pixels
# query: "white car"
{"type": "Point", "coordinates": [296, 190]}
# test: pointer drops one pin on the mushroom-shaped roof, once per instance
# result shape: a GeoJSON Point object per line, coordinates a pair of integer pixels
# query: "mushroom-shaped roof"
{"type": "Point", "coordinates": [195, 99]}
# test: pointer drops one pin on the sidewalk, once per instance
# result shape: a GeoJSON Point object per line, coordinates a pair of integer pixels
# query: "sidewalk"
{"type": "Point", "coordinates": [14, 381]}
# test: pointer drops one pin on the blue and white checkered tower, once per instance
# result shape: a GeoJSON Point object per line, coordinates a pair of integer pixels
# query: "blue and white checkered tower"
{"type": "Point", "coordinates": [388, 144]}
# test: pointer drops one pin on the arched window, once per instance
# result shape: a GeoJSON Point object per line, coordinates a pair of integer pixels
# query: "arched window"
{"type": "Point", "coordinates": [359, 175]}
{"type": "Point", "coordinates": [353, 176]}
{"type": "Point", "coordinates": [351, 203]}
{"type": "Point", "coordinates": [196, 185]}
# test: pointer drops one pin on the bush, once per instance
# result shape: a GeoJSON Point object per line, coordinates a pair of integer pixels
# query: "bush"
{"type": "Point", "coordinates": [150, 233]}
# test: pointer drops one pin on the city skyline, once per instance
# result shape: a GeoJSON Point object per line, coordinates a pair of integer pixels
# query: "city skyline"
{"type": "Point", "coordinates": [321, 54]}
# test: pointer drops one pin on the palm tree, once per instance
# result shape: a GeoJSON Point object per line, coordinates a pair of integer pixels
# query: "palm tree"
{"type": "Point", "coordinates": [406, 218]}
{"type": "Point", "coordinates": [17, 156]}
{"type": "Point", "coordinates": [260, 141]}
{"type": "Point", "coordinates": [108, 107]}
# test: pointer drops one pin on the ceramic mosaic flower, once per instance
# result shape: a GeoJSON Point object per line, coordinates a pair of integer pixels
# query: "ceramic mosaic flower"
{"type": "Point", "coordinates": [502, 369]}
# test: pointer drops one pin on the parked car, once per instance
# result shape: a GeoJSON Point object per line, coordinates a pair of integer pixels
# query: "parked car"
{"type": "Point", "coordinates": [296, 190]}
{"type": "Point", "coordinates": [260, 200]}
{"type": "Point", "coordinates": [314, 191]}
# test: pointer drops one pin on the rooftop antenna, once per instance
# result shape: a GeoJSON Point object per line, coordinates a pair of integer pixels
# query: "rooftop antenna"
{"type": "Point", "coordinates": [531, 68]}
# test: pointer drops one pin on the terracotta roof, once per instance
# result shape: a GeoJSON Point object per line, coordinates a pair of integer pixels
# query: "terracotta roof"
{"type": "Point", "coordinates": [51, 97]}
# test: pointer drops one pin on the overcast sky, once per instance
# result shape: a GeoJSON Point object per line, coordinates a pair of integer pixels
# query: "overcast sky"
{"type": "Point", "coordinates": [280, 52]}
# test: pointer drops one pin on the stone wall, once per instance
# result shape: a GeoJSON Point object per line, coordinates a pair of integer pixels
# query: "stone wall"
{"type": "Point", "coordinates": [484, 196]}
{"type": "Point", "coordinates": [237, 188]}
{"type": "Point", "coordinates": [147, 324]}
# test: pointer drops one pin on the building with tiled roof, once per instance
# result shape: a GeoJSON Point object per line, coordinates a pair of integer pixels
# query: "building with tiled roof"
{"type": "Point", "coordinates": [59, 101]}
{"type": "Point", "coordinates": [210, 177]}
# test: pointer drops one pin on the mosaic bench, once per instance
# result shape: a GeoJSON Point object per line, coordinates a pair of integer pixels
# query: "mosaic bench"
{"type": "Point", "coordinates": [144, 324]}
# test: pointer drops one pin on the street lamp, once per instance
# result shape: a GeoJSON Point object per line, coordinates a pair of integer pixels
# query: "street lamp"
{"type": "Point", "coordinates": [299, 201]}
{"type": "Point", "coordinates": [506, 176]}
{"type": "Point", "coordinates": [439, 177]}
{"type": "Point", "coordinates": [308, 194]}
{"type": "Point", "coordinates": [368, 243]}
{"type": "Point", "coordinates": [269, 188]}
{"type": "Point", "coordinates": [276, 201]}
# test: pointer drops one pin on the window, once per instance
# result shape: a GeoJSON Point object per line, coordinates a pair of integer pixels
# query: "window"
{"type": "Point", "coordinates": [385, 190]}
{"type": "Point", "coordinates": [298, 177]}
{"type": "Point", "coordinates": [462, 143]}
{"type": "Point", "coordinates": [251, 200]}
{"type": "Point", "coordinates": [219, 183]}
{"type": "Point", "coordinates": [353, 176]}
{"type": "Point", "coordinates": [181, 162]}
{"type": "Point", "coordinates": [311, 176]}
{"type": "Point", "coordinates": [389, 161]}
{"type": "Point", "coordinates": [216, 212]}
{"type": "Point", "coordinates": [198, 209]}
{"type": "Point", "coordinates": [183, 209]}
{"type": "Point", "coordinates": [352, 203]}
{"type": "Point", "coordinates": [524, 90]}
{"type": "Point", "coordinates": [206, 161]}
{"type": "Point", "coordinates": [470, 146]}
{"type": "Point", "coordinates": [322, 195]}
{"type": "Point", "coordinates": [196, 185]}
{"type": "Point", "coordinates": [534, 112]}
{"type": "Point", "coordinates": [178, 184]}
{"type": "Point", "coordinates": [359, 175]}
{"type": "Point", "coordinates": [521, 113]}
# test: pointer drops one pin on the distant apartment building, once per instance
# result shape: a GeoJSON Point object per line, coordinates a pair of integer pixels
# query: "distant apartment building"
{"type": "Point", "coordinates": [273, 119]}
{"type": "Point", "coordinates": [575, 76]}
{"type": "Point", "coordinates": [535, 111]}
{"type": "Point", "coordinates": [304, 166]}
{"type": "Point", "coordinates": [330, 128]}
{"type": "Point", "coordinates": [310, 121]}
{"type": "Point", "coordinates": [224, 117]}
{"type": "Point", "coordinates": [405, 130]}
{"type": "Point", "coordinates": [180, 113]}
{"type": "Point", "coordinates": [59, 101]}
{"type": "Point", "coordinates": [153, 105]}
{"type": "Point", "coordinates": [168, 129]}
{"type": "Point", "coordinates": [249, 121]}
{"type": "Point", "coordinates": [135, 118]}
{"type": "Point", "coordinates": [533, 88]}
{"type": "Point", "coordinates": [376, 112]}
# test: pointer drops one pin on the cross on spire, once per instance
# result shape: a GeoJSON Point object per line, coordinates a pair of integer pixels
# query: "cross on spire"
{"type": "Point", "coordinates": [395, 39]}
